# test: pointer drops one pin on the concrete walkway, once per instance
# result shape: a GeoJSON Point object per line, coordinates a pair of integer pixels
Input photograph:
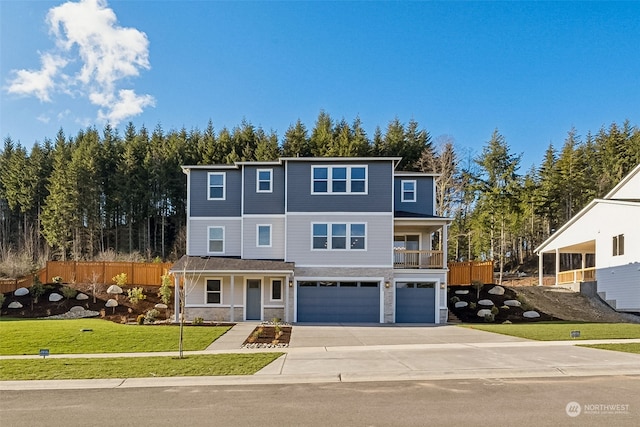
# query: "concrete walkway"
{"type": "Point", "coordinates": [335, 353]}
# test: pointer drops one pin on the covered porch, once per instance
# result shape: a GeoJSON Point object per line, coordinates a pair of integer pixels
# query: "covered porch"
{"type": "Point", "coordinates": [573, 263]}
{"type": "Point", "coordinates": [419, 243]}
{"type": "Point", "coordinates": [233, 290]}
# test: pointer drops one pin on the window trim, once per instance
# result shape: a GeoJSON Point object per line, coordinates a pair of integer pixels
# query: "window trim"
{"type": "Point", "coordinates": [258, 245]}
{"type": "Point", "coordinates": [224, 185]}
{"type": "Point", "coordinates": [618, 245]}
{"type": "Point", "coordinates": [209, 239]}
{"type": "Point", "coordinates": [403, 192]}
{"type": "Point", "coordinates": [207, 292]}
{"type": "Point", "coordinates": [347, 237]}
{"type": "Point", "coordinates": [258, 181]}
{"type": "Point", "coordinates": [281, 290]}
{"type": "Point", "coordinates": [329, 180]}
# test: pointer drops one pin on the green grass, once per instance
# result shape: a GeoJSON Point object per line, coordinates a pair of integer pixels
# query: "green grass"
{"type": "Point", "coordinates": [134, 367]}
{"type": "Point", "coordinates": [628, 348]}
{"type": "Point", "coordinates": [559, 331]}
{"type": "Point", "coordinates": [66, 337]}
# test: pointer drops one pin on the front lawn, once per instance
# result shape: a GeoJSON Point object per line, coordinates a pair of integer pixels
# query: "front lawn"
{"type": "Point", "coordinates": [627, 348]}
{"type": "Point", "coordinates": [134, 367]}
{"type": "Point", "coordinates": [560, 331]}
{"type": "Point", "coordinates": [99, 336]}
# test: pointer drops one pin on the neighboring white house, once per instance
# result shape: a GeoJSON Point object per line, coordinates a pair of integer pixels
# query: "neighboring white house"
{"type": "Point", "coordinates": [609, 229]}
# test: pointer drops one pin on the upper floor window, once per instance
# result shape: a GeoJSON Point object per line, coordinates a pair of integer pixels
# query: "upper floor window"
{"type": "Point", "coordinates": [339, 236]}
{"type": "Point", "coordinates": [339, 180]}
{"type": "Point", "coordinates": [216, 185]}
{"type": "Point", "coordinates": [618, 245]}
{"type": "Point", "coordinates": [408, 190]}
{"type": "Point", "coordinates": [216, 240]}
{"type": "Point", "coordinates": [264, 236]}
{"type": "Point", "coordinates": [264, 182]}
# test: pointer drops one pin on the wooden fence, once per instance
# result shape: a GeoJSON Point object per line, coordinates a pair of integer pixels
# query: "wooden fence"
{"type": "Point", "coordinates": [138, 273]}
{"type": "Point", "coordinates": [463, 273]}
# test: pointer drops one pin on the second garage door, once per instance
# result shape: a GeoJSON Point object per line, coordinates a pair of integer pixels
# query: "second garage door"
{"type": "Point", "coordinates": [339, 301]}
{"type": "Point", "coordinates": [415, 302]}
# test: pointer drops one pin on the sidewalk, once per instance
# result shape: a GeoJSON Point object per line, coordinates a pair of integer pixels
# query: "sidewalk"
{"type": "Point", "coordinates": [417, 353]}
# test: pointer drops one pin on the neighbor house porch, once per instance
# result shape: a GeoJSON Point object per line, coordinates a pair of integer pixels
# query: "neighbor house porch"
{"type": "Point", "coordinates": [573, 263]}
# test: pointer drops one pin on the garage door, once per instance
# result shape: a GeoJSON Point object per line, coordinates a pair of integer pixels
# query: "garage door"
{"type": "Point", "coordinates": [415, 302]}
{"type": "Point", "coordinates": [338, 302]}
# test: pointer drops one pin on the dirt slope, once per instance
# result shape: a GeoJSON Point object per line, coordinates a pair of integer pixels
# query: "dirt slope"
{"type": "Point", "coordinates": [567, 305]}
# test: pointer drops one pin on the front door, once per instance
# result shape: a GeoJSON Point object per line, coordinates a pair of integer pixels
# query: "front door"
{"type": "Point", "coordinates": [253, 299]}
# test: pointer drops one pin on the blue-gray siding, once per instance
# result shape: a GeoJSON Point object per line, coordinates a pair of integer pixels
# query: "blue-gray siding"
{"type": "Point", "coordinates": [424, 200]}
{"type": "Point", "coordinates": [263, 203]}
{"type": "Point", "coordinates": [198, 238]}
{"type": "Point", "coordinates": [377, 199]}
{"type": "Point", "coordinates": [198, 193]}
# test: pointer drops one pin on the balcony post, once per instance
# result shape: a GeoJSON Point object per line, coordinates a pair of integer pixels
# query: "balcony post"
{"type": "Point", "coordinates": [445, 245]}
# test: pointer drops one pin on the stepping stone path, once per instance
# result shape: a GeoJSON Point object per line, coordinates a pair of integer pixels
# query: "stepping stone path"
{"type": "Point", "coordinates": [461, 304]}
{"type": "Point", "coordinates": [483, 312]}
{"type": "Point", "coordinates": [497, 290]}
{"type": "Point", "coordinates": [20, 292]}
{"type": "Point", "coordinates": [54, 297]}
{"type": "Point", "coordinates": [462, 292]}
{"type": "Point", "coordinates": [15, 304]}
{"type": "Point", "coordinates": [487, 302]}
{"type": "Point", "coordinates": [512, 303]}
{"type": "Point", "coordinates": [531, 314]}
{"type": "Point", "coordinates": [82, 297]}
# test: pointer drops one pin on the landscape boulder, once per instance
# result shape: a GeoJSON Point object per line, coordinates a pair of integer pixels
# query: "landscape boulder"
{"type": "Point", "coordinates": [512, 303]}
{"type": "Point", "coordinates": [531, 314]}
{"type": "Point", "coordinates": [484, 312]}
{"type": "Point", "coordinates": [20, 292]}
{"type": "Point", "coordinates": [55, 297]}
{"type": "Point", "coordinates": [82, 297]}
{"type": "Point", "coordinates": [114, 290]}
{"type": "Point", "coordinates": [161, 306]}
{"type": "Point", "coordinates": [486, 302]}
{"type": "Point", "coordinates": [462, 292]}
{"type": "Point", "coordinates": [14, 304]}
{"type": "Point", "coordinates": [76, 308]}
{"type": "Point", "coordinates": [111, 303]}
{"type": "Point", "coordinates": [497, 290]}
{"type": "Point", "coordinates": [461, 304]}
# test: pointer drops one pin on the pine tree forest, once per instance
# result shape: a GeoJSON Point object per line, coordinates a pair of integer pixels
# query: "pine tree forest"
{"type": "Point", "coordinates": [110, 194]}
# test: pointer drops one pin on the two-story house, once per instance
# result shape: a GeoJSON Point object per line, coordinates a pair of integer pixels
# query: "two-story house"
{"type": "Point", "coordinates": [337, 240]}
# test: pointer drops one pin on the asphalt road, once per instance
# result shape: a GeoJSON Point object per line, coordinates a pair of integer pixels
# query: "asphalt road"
{"type": "Point", "coordinates": [610, 400]}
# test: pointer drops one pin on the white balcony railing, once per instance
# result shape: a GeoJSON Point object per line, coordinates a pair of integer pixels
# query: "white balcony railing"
{"type": "Point", "coordinates": [403, 258]}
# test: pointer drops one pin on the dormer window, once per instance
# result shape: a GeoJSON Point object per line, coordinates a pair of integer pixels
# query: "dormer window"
{"type": "Point", "coordinates": [408, 188]}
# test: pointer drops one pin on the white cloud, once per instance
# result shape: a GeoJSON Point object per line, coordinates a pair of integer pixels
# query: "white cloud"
{"type": "Point", "coordinates": [87, 32]}
{"type": "Point", "coordinates": [44, 119]}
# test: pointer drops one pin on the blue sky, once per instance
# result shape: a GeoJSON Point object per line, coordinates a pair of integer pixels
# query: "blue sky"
{"type": "Point", "coordinates": [531, 70]}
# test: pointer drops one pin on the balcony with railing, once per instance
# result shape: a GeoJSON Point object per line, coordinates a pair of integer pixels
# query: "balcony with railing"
{"type": "Point", "coordinates": [576, 276]}
{"type": "Point", "coordinates": [405, 258]}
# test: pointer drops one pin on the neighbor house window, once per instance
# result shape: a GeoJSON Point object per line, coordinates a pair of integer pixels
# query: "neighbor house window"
{"type": "Point", "coordinates": [339, 236]}
{"type": "Point", "coordinates": [216, 185]}
{"type": "Point", "coordinates": [276, 290]}
{"type": "Point", "coordinates": [214, 291]}
{"type": "Point", "coordinates": [264, 182]}
{"type": "Point", "coordinates": [339, 179]}
{"type": "Point", "coordinates": [264, 235]}
{"type": "Point", "coordinates": [618, 245]}
{"type": "Point", "coordinates": [216, 239]}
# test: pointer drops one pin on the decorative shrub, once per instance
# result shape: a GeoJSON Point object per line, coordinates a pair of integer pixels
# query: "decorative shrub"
{"type": "Point", "coordinates": [494, 310]}
{"type": "Point", "coordinates": [56, 279]}
{"type": "Point", "coordinates": [136, 295]}
{"type": "Point", "coordinates": [489, 318]}
{"type": "Point", "coordinates": [120, 279]}
{"type": "Point", "coordinates": [2, 298]}
{"type": "Point", "coordinates": [69, 292]}
{"type": "Point", "coordinates": [198, 321]}
{"type": "Point", "coordinates": [454, 299]}
{"type": "Point", "coordinates": [165, 289]}
{"type": "Point", "coordinates": [151, 315]}
{"type": "Point", "coordinates": [140, 319]}
{"type": "Point", "coordinates": [472, 305]}
{"type": "Point", "coordinates": [36, 290]}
